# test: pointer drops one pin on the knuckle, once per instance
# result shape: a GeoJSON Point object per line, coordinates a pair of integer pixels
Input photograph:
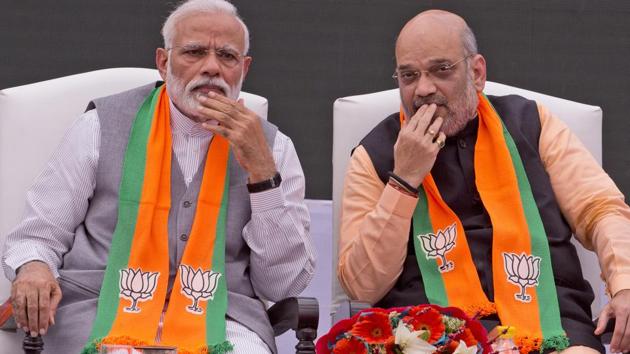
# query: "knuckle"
{"type": "Point", "coordinates": [32, 307]}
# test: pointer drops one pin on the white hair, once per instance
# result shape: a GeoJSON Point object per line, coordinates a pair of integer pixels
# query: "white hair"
{"type": "Point", "coordinates": [191, 7]}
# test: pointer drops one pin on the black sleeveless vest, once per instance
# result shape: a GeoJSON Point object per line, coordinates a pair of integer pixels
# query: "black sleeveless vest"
{"type": "Point", "coordinates": [455, 177]}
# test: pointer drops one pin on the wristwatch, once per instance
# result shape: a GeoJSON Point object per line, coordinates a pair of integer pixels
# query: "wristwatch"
{"type": "Point", "coordinates": [266, 185]}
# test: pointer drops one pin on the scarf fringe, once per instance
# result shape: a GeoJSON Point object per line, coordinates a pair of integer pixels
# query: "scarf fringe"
{"type": "Point", "coordinates": [221, 348]}
{"type": "Point", "coordinates": [95, 346]}
{"type": "Point", "coordinates": [529, 344]}
{"type": "Point", "coordinates": [559, 343]}
{"type": "Point", "coordinates": [477, 311]}
{"type": "Point", "coordinates": [91, 348]}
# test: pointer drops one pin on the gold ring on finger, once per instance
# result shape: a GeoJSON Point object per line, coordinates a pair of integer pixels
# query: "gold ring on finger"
{"type": "Point", "coordinates": [440, 143]}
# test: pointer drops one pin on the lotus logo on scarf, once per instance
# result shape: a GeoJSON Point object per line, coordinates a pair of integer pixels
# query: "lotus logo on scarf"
{"type": "Point", "coordinates": [436, 246]}
{"type": "Point", "coordinates": [198, 285]}
{"type": "Point", "coordinates": [522, 271]}
{"type": "Point", "coordinates": [136, 285]}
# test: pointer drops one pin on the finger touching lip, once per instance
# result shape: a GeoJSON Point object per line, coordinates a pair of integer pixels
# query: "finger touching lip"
{"type": "Point", "coordinates": [205, 89]}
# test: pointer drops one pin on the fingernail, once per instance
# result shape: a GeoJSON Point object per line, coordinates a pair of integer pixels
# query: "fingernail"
{"type": "Point", "coordinates": [33, 334]}
{"type": "Point", "coordinates": [42, 332]}
{"type": "Point", "coordinates": [25, 329]}
{"type": "Point", "coordinates": [212, 94]}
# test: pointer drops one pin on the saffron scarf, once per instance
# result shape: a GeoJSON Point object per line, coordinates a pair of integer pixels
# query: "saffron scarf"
{"type": "Point", "coordinates": [131, 306]}
{"type": "Point", "coordinates": [524, 288]}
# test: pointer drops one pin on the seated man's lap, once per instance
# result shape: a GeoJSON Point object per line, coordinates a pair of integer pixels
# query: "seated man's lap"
{"type": "Point", "coordinates": [245, 341]}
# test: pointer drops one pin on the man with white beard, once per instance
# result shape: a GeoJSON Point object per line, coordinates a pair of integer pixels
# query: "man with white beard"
{"type": "Point", "coordinates": [168, 211]}
{"type": "Point", "coordinates": [467, 200]}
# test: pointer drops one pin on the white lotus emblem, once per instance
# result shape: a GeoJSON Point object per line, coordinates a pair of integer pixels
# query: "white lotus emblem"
{"type": "Point", "coordinates": [136, 285]}
{"type": "Point", "coordinates": [523, 271]}
{"type": "Point", "coordinates": [198, 285]}
{"type": "Point", "coordinates": [436, 246]}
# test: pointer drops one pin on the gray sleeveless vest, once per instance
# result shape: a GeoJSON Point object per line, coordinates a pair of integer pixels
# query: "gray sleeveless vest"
{"type": "Point", "coordinates": [84, 265]}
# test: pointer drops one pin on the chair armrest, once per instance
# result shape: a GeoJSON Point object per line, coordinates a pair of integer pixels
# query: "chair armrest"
{"type": "Point", "coordinates": [294, 313]}
{"type": "Point", "coordinates": [347, 308]}
{"type": "Point", "coordinates": [358, 306]}
{"type": "Point", "coordinates": [300, 314]}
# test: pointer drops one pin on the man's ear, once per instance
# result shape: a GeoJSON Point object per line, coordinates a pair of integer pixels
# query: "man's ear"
{"type": "Point", "coordinates": [161, 61]}
{"type": "Point", "coordinates": [479, 72]}
{"type": "Point", "coordinates": [247, 61]}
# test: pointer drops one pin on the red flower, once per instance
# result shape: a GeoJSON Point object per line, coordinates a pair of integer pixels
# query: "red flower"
{"type": "Point", "coordinates": [349, 346]}
{"type": "Point", "coordinates": [373, 327]}
{"type": "Point", "coordinates": [426, 319]}
{"type": "Point", "coordinates": [467, 336]}
{"type": "Point", "coordinates": [335, 332]}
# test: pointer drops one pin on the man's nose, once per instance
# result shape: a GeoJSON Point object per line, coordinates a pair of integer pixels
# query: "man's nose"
{"type": "Point", "coordinates": [211, 64]}
{"type": "Point", "coordinates": [425, 86]}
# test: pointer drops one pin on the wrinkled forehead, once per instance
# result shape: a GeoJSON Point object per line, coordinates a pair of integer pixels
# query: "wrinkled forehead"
{"type": "Point", "coordinates": [210, 29]}
{"type": "Point", "coordinates": [428, 39]}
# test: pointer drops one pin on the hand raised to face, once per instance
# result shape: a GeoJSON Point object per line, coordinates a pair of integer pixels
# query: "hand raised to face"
{"type": "Point", "coordinates": [243, 129]}
{"type": "Point", "coordinates": [418, 144]}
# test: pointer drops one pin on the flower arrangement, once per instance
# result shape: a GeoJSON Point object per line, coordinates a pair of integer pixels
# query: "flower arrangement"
{"type": "Point", "coordinates": [406, 330]}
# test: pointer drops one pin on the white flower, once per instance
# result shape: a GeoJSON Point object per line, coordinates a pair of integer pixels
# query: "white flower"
{"type": "Point", "coordinates": [410, 342]}
{"type": "Point", "coordinates": [463, 349]}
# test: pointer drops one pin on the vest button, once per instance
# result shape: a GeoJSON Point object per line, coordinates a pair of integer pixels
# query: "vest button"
{"type": "Point", "coordinates": [183, 237]}
{"type": "Point", "coordinates": [187, 204]}
{"type": "Point", "coordinates": [462, 143]}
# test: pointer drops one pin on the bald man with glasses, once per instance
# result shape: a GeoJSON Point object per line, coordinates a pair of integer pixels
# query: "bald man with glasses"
{"type": "Point", "coordinates": [467, 200]}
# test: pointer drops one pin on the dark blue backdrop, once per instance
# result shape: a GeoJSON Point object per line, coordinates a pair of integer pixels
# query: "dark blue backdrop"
{"type": "Point", "coordinates": [309, 52]}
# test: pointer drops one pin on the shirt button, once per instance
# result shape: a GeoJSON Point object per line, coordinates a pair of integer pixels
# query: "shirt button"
{"type": "Point", "coordinates": [183, 237]}
{"type": "Point", "coordinates": [462, 143]}
{"type": "Point", "coordinates": [187, 204]}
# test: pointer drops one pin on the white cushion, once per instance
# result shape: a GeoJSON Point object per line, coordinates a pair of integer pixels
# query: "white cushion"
{"type": "Point", "coordinates": [355, 116]}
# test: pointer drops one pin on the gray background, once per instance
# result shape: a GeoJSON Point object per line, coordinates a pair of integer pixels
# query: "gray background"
{"type": "Point", "coordinates": [308, 53]}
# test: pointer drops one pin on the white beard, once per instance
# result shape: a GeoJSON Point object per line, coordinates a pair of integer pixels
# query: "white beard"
{"type": "Point", "coordinates": [187, 101]}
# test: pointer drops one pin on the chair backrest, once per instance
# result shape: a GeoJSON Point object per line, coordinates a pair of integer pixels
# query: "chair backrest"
{"type": "Point", "coordinates": [34, 117]}
{"type": "Point", "coordinates": [355, 116]}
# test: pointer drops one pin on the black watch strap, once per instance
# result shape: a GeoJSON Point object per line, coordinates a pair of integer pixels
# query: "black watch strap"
{"type": "Point", "coordinates": [262, 186]}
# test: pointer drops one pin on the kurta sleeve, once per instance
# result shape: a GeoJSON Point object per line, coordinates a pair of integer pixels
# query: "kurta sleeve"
{"type": "Point", "coordinates": [588, 198]}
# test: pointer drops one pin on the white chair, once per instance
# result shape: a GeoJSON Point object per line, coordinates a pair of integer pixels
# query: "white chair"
{"type": "Point", "coordinates": [33, 119]}
{"type": "Point", "coordinates": [355, 116]}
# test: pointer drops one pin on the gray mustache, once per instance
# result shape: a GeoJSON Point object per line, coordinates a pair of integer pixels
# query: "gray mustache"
{"type": "Point", "coordinates": [437, 99]}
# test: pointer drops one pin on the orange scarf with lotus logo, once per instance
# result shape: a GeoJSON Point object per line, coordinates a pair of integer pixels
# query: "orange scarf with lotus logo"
{"type": "Point", "coordinates": [131, 307]}
{"type": "Point", "coordinates": [524, 287]}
